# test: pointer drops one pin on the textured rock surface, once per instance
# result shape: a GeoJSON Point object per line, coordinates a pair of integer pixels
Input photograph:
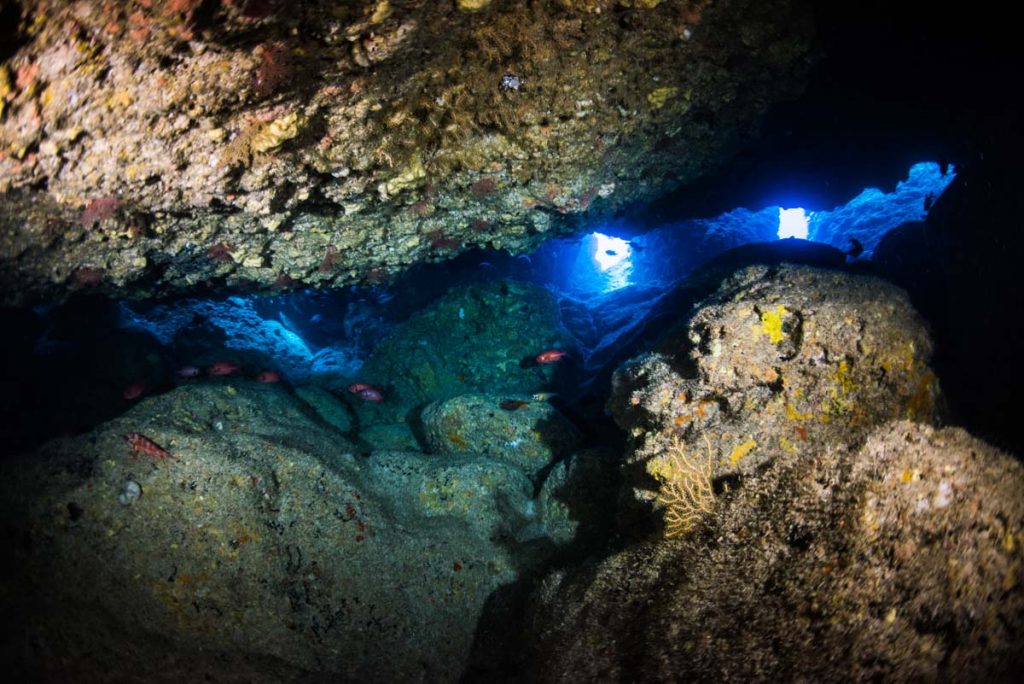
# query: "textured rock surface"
{"type": "Point", "coordinates": [477, 338]}
{"type": "Point", "coordinates": [148, 148]}
{"type": "Point", "coordinates": [826, 542]}
{"type": "Point", "coordinates": [518, 430]}
{"type": "Point", "coordinates": [264, 551]}
{"type": "Point", "coordinates": [780, 363]}
{"type": "Point", "coordinates": [899, 561]}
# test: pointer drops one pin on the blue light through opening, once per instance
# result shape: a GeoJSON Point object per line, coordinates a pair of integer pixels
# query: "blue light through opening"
{"type": "Point", "coordinates": [793, 223]}
{"type": "Point", "coordinates": [612, 256]}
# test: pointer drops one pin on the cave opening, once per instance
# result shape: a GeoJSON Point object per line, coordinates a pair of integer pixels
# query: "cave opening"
{"type": "Point", "coordinates": [605, 289]}
{"type": "Point", "coordinates": [670, 315]}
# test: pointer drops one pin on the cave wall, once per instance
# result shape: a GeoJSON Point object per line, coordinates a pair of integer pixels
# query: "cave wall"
{"type": "Point", "coordinates": [253, 145]}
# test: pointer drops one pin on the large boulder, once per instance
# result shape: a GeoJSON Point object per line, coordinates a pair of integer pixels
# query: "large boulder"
{"type": "Point", "coordinates": [479, 338]}
{"type": "Point", "coordinates": [780, 363]}
{"type": "Point", "coordinates": [261, 549]}
{"type": "Point", "coordinates": [897, 561]}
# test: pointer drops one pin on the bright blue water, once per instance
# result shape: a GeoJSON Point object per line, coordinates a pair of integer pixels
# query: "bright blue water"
{"type": "Point", "coordinates": [606, 283]}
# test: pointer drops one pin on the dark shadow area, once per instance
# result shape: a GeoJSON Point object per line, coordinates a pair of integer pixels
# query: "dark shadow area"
{"type": "Point", "coordinates": [896, 84]}
{"type": "Point", "coordinates": [66, 372]}
{"type": "Point", "coordinates": [11, 37]}
{"type": "Point", "coordinates": [590, 493]}
{"type": "Point", "coordinates": [962, 269]}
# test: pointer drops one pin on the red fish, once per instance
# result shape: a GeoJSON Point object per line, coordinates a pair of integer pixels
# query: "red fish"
{"type": "Point", "coordinates": [366, 392]}
{"type": "Point", "coordinates": [134, 391]}
{"type": "Point", "coordinates": [551, 356]}
{"type": "Point", "coordinates": [188, 372]}
{"type": "Point", "coordinates": [370, 394]}
{"type": "Point", "coordinates": [141, 444]}
{"type": "Point", "coordinates": [224, 368]}
{"type": "Point", "coordinates": [268, 376]}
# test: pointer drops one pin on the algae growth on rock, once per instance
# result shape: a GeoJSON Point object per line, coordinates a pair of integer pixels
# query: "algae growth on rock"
{"type": "Point", "coordinates": [149, 150]}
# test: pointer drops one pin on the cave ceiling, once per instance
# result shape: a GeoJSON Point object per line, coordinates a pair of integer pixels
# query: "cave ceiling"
{"type": "Point", "coordinates": [149, 149]}
{"type": "Point", "coordinates": [154, 149]}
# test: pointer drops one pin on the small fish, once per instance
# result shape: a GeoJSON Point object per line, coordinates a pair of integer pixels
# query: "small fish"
{"type": "Point", "coordinates": [525, 258]}
{"type": "Point", "coordinates": [268, 376]}
{"type": "Point", "coordinates": [316, 318]}
{"type": "Point", "coordinates": [513, 404]}
{"type": "Point", "coordinates": [370, 394]}
{"type": "Point", "coordinates": [611, 252]}
{"type": "Point", "coordinates": [366, 392]}
{"type": "Point", "coordinates": [223, 368]}
{"type": "Point", "coordinates": [544, 396]}
{"type": "Point", "coordinates": [134, 391]}
{"type": "Point", "coordinates": [141, 444]}
{"type": "Point", "coordinates": [929, 200]}
{"type": "Point", "coordinates": [551, 356]}
{"type": "Point", "coordinates": [856, 248]}
{"type": "Point", "coordinates": [188, 372]}
{"type": "Point", "coordinates": [486, 264]}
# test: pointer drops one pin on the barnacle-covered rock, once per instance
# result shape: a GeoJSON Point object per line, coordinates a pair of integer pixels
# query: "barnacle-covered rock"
{"type": "Point", "coordinates": [305, 140]}
{"type": "Point", "coordinates": [778, 364]}
{"type": "Point", "coordinates": [896, 561]}
{"type": "Point", "coordinates": [275, 133]}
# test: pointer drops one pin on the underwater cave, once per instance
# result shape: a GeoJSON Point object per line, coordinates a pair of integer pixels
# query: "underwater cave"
{"type": "Point", "coordinates": [481, 340]}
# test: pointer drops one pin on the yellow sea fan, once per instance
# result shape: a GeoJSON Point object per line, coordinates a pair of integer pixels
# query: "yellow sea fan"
{"type": "Point", "coordinates": [687, 493]}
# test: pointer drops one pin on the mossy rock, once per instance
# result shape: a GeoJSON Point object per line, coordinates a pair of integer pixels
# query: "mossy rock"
{"type": "Point", "coordinates": [515, 429]}
{"type": "Point", "coordinates": [477, 338]}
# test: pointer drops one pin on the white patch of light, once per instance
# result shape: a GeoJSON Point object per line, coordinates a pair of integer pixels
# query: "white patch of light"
{"type": "Point", "coordinates": [610, 251]}
{"type": "Point", "coordinates": [612, 256]}
{"type": "Point", "coordinates": [793, 223]}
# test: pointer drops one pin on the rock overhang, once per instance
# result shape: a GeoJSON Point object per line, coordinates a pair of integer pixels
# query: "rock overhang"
{"type": "Point", "coordinates": [149, 152]}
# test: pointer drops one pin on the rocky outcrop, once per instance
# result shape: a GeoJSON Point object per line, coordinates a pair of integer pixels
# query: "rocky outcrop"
{"type": "Point", "coordinates": [897, 561]}
{"type": "Point", "coordinates": [258, 548]}
{"type": "Point", "coordinates": [479, 338]}
{"type": "Point", "coordinates": [780, 363]}
{"type": "Point", "coordinates": [809, 533]}
{"type": "Point", "coordinates": [520, 430]}
{"type": "Point", "coordinates": [148, 148]}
